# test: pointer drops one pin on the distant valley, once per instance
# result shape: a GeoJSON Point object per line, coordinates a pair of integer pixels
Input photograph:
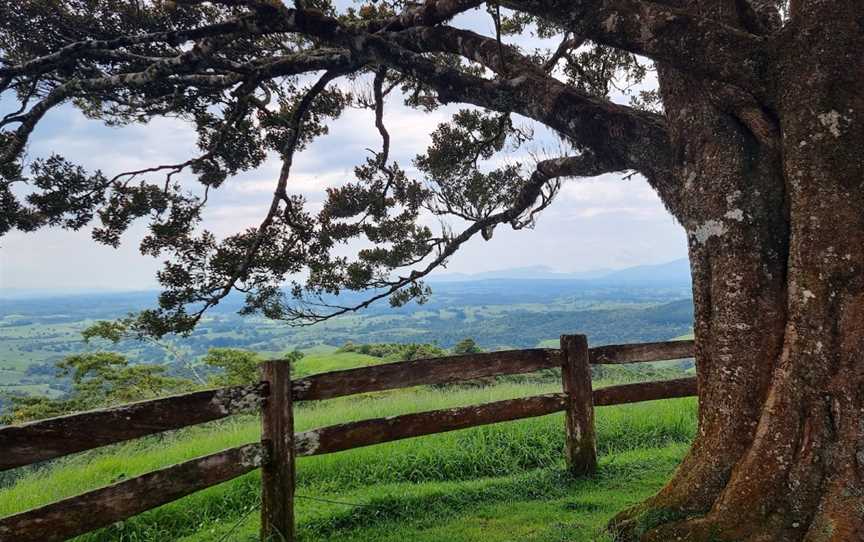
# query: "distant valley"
{"type": "Point", "coordinates": [512, 309]}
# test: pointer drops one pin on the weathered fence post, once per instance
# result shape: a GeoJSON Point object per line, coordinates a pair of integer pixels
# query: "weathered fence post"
{"type": "Point", "coordinates": [277, 474]}
{"type": "Point", "coordinates": [581, 447]}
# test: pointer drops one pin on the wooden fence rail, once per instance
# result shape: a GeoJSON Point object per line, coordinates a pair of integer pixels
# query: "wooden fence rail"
{"type": "Point", "coordinates": [104, 506]}
{"type": "Point", "coordinates": [276, 454]}
{"type": "Point", "coordinates": [404, 374]}
{"type": "Point", "coordinates": [55, 437]}
{"type": "Point", "coordinates": [641, 352]}
{"type": "Point", "coordinates": [346, 436]}
{"type": "Point", "coordinates": [645, 391]}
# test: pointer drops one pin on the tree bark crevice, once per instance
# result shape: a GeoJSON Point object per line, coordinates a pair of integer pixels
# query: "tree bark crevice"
{"type": "Point", "coordinates": [786, 465]}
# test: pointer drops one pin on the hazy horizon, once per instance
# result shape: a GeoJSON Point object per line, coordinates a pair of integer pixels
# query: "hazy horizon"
{"type": "Point", "coordinates": [534, 272]}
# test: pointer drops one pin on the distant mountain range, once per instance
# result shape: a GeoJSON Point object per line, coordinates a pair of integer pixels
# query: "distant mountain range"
{"type": "Point", "coordinates": [40, 293]}
{"type": "Point", "coordinates": [538, 272]}
{"type": "Point", "coordinates": [674, 272]}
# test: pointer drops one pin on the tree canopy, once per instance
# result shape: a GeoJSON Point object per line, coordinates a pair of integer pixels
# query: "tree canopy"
{"type": "Point", "coordinates": [260, 80]}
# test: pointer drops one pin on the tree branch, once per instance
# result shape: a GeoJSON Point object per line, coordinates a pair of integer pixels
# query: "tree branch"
{"type": "Point", "coordinates": [280, 195]}
{"type": "Point", "coordinates": [665, 34]}
{"type": "Point", "coordinates": [321, 59]}
{"type": "Point", "coordinates": [429, 13]}
{"type": "Point", "coordinates": [78, 49]}
{"type": "Point", "coordinates": [620, 135]}
{"type": "Point", "coordinates": [136, 77]}
{"type": "Point", "coordinates": [624, 137]}
{"type": "Point", "coordinates": [585, 165]}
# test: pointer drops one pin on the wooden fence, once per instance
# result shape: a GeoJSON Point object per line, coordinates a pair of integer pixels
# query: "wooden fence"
{"type": "Point", "coordinates": [279, 447]}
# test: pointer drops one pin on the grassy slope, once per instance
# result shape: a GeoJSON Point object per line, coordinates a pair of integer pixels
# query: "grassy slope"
{"type": "Point", "coordinates": [543, 504]}
{"type": "Point", "coordinates": [500, 482]}
{"type": "Point", "coordinates": [326, 359]}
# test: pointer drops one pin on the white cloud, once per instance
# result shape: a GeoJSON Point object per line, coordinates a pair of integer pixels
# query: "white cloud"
{"type": "Point", "coordinates": [63, 259]}
{"type": "Point", "coordinates": [299, 183]}
{"type": "Point", "coordinates": [609, 188]}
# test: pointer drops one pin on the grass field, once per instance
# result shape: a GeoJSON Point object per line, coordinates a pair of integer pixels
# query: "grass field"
{"type": "Point", "coordinates": [495, 483]}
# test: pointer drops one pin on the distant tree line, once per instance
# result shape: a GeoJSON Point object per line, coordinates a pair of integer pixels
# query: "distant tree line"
{"type": "Point", "coordinates": [410, 351]}
{"type": "Point", "coordinates": [102, 379]}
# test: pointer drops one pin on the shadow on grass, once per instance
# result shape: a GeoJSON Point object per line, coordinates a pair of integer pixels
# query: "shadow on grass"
{"type": "Point", "coordinates": [620, 479]}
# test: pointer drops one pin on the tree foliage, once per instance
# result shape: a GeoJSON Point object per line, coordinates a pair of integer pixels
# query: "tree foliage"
{"type": "Point", "coordinates": [240, 367]}
{"type": "Point", "coordinates": [99, 379]}
{"type": "Point", "coordinates": [466, 346]}
{"type": "Point", "coordinates": [261, 80]}
{"type": "Point", "coordinates": [396, 351]}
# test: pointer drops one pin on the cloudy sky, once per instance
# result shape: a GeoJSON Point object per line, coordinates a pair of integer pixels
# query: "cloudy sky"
{"type": "Point", "coordinates": [605, 222]}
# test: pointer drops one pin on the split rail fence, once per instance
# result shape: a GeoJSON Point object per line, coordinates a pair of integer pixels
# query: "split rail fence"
{"type": "Point", "coordinates": [39, 441]}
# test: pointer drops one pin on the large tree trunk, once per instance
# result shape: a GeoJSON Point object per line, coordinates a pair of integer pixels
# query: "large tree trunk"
{"type": "Point", "coordinates": [774, 210]}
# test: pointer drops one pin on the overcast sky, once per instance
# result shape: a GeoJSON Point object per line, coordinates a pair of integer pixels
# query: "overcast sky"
{"type": "Point", "coordinates": [606, 222]}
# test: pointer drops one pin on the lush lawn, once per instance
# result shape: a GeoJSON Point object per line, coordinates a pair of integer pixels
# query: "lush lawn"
{"type": "Point", "coordinates": [492, 483]}
{"type": "Point", "coordinates": [543, 504]}
{"type": "Point", "coordinates": [324, 361]}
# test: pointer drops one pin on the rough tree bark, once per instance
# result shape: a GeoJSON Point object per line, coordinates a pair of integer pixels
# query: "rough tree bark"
{"type": "Point", "coordinates": [773, 205]}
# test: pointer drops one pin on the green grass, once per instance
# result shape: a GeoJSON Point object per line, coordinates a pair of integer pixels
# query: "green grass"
{"type": "Point", "coordinates": [499, 482]}
{"type": "Point", "coordinates": [537, 505]}
{"type": "Point", "coordinates": [318, 361]}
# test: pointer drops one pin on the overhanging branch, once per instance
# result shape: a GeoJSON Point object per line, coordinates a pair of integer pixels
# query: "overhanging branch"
{"type": "Point", "coordinates": [518, 216]}
{"type": "Point", "coordinates": [623, 136]}
{"type": "Point", "coordinates": [663, 33]}
{"type": "Point", "coordinates": [214, 74]}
